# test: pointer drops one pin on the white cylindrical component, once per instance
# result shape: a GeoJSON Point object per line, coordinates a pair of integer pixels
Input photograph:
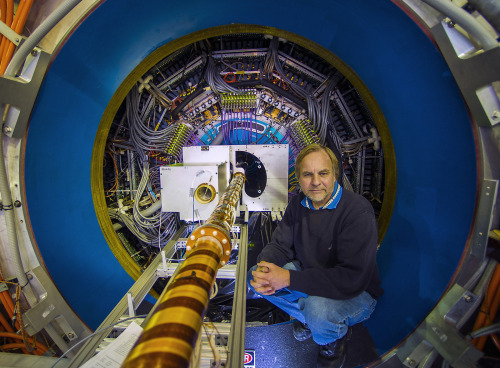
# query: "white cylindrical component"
{"type": "Point", "coordinates": [490, 9]}
{"type": "Point", "coordinates": [375, 139]}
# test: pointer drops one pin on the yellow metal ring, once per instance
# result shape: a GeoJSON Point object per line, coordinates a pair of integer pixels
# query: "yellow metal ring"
{"type": "Point", "coordinates": [205, 193]}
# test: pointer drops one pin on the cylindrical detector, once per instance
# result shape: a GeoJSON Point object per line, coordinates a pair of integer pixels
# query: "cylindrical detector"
{"type": "Point", "coordinates": [170, 335]}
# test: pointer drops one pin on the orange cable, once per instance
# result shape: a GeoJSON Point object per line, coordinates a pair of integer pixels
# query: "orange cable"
{"type": "Point", "coordinates": [6, 43]}
{"type": "Point", "coordinates": [115, 187]}
{"type": "Point", "coordinates": [3, 18]}
{"type": "Point", "coordinates": [8, 21]}
{"type": "Point", "coordinates": [12, 346]}
{"type": "Point", "coordinates": [17, 13]}
{"type": "Point", "coordinates": [10, 12]}
{"type": "Point", "coordinates": [18, 345]}
{"type": "Point", "coordinates": [3, 11]}
{"type": "Point", "coordinates": [18, 25]}
{"type": "Point", "coordinates": [5, 323]}
{"type": "Point", "coordinates": [4, 297]}
{"type": "Point", "coordinates": [24, 335]}
{"type": "Point", "coordinates": [8, 303]}
{"type": "Point", "coordinates": [490, 318]}
{"type": "Point", "coordinates": [485, 306]}
{"type": "Point", "coordinates": [232, 80]}
{"type": "Point", "coordinates": [12, 335]}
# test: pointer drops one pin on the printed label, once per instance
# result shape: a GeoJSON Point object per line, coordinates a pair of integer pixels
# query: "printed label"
{"type": "Point", "coordinates": [249, 359]}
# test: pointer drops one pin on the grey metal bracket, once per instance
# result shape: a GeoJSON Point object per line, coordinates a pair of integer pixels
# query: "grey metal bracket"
{"type": "Point", "coordinates": [390, 362]}
{"type": "Point", "coordinates": [439, 333]}
{"type": "Point", "coordinates": [444, 336]}
{"type": "Point", "coordinates": [65, 326]}
{"type": "Point", "coordinates": [462, 310]}
{"type": "Point", "coordinates": [484, 213]}
{"type": "Point", "coordinates": [3, 287]}
{"type": "Point", "coordinates": [138, 290]}
{"type": "Point", "coordinates": [10, 34]}
{"type": "Point", "coordinates": [471, 74]}
{"type": "Point", "coordinates": [20, 95]}
{"type": "Point", "coordinates": [421, 351]}
{"type": "Point", "coordinates": [51, 306]}
{"type": "Point", "coordinates": [481, 227]}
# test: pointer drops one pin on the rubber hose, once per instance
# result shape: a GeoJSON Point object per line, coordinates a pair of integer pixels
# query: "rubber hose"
{"type": "Point", "coordinates": [39, 33]}
{"type": "Point", "coordinates": [466, 21]}
{"type": "Point", "coordinates": [490, 10]}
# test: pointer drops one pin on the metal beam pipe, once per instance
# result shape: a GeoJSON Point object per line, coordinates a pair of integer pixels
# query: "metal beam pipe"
{"type": "Point", "coordinates": [170, 335]}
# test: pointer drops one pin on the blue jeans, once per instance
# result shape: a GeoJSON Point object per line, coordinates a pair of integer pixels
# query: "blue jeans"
{"type": "Point", "coordinates": [328, 319]}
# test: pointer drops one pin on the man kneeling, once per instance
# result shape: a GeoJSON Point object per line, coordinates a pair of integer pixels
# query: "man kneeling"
{"type": "Point", "coordinates": [320, 266]}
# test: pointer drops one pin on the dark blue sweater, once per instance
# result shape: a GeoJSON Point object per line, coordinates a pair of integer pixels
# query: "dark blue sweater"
{"type": "Point", "coordinates": [337, 248]}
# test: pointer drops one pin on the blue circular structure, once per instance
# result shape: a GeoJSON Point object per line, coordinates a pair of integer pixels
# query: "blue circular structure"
{"type": "Point", "coordinates": [427, 118]}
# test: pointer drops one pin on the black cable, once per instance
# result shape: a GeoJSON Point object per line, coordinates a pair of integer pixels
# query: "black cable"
{"type": "Point", "coordinates": [485, 331]}
{"type": "Point", "coordinates": [198, 91]}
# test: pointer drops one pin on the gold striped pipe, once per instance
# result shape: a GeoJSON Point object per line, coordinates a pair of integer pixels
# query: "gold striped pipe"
{"type": "Point", "coordinates": [171, 333]}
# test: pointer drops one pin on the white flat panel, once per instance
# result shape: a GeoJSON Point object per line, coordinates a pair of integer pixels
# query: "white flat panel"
{"type": "Point", "coordinates": [179, 182]}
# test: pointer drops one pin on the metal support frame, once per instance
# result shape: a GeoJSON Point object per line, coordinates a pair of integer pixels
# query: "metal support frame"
{"type": "Point", "coordinates": [440, 330]}
{"type": "Point", "coordinates": [236, 334]}
{"type": "Point", "coordinates": [226, 272]}
{"type": "Point", "coordinates": [51, 307]}
{"type": "Point", "coordinates": [419, 354]}
{"type": "Point", "coordinates": [444, 336]}
{"type": "Point", "coordinates": [138, 291]}
{"type": "Point", "coordinates": [484, 212]}
{"type": "Point", "coordinates": [471, 74]}
{"type": "Point", "coordinates": [20, 95]}
{"type": "Point", "coordinates": [52, 310]}
{"type": "Point", "coordinates": [10, 34]}
{"type": "Point", "coordinates": [237, 337]}
{"type": "Point", "coordinates": [479, 238]}
{"type": "Point", "coordinates": [239, 273]}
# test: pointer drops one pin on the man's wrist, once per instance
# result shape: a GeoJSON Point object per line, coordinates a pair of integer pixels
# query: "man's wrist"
{"type": "Point", "coordinates": [287, 278]}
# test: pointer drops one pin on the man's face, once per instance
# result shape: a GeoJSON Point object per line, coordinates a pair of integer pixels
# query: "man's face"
{"type": "Point", "coordinates": [316, 178]}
